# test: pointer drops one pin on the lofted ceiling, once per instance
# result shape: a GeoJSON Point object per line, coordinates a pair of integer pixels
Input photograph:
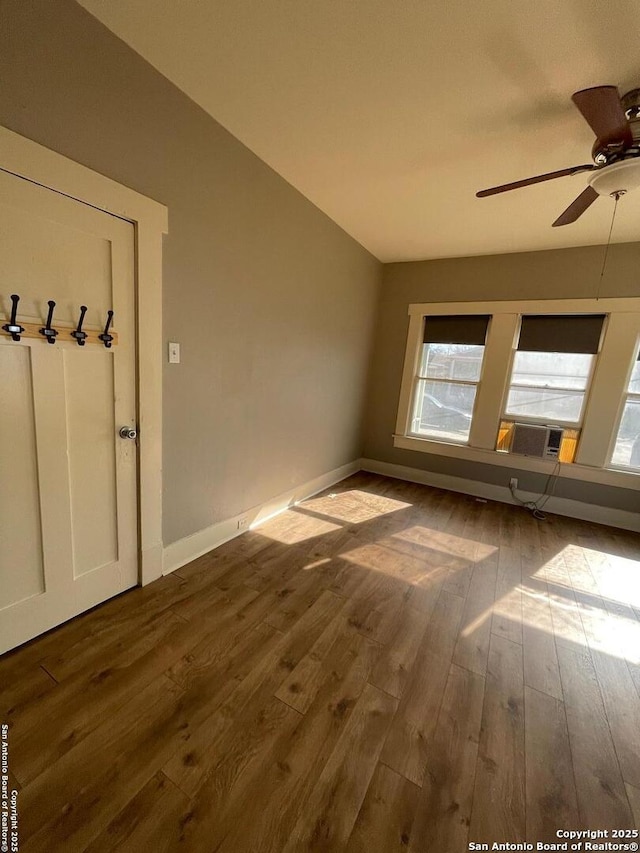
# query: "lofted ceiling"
{"type": "Point", "coordinates": [390, 114]}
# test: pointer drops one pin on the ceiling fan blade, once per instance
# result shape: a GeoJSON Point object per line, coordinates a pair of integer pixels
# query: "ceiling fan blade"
{"type": "Point", "coordinates": [538, 179]}
{"type": "Point", "coordinates": [577, 207]}
{"type": "Point", "coordinates": [602, 110]}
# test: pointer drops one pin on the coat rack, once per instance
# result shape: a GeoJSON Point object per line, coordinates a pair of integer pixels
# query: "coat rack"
{"type": "Point", "coordinates": [51, 334]}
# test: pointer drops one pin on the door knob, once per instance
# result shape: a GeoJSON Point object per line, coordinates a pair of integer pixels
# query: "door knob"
{"type": "Point", "coordinates": [128, 432]}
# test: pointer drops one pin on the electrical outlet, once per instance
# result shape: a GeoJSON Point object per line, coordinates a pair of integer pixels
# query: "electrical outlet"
{"type": "Point", "coordinates": [243, 522]}
{"type": "Point", "coordinates": [513, 483]}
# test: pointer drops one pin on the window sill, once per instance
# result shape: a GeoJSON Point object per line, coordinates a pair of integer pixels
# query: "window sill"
{"type": "Point", "coordinates": [448, 442]}
{"type": "Point", "coordinates": [572, 470]}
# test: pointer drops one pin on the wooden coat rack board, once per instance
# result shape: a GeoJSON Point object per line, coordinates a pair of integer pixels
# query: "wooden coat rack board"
{"type": "Point", "coordinates": [15, 330]}
{"type": "Point", "coordinates": [32, 330]}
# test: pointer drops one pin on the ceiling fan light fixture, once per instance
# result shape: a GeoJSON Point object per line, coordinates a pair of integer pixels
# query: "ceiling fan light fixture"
{"type": "Point", "coordinates": [618, 177]}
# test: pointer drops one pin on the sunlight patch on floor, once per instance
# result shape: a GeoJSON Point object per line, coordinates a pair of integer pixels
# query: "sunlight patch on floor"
{"type": "Point", "coordinates": [385, 560]}
{"type": "Point", "coordinates": [447, 543]}
{"type": "Point", "coordinates": [618, 578]}
{"type": "Point", "coordinates": [292, 527]}
{"type": "Point", "coordinates": [354, 506]}
{"type": "Point", "coordinates": [587, 622]}
{"type": "Point", "coordinates": [614, 577]}
{"type": "Point", "coordinates": [316, 564]}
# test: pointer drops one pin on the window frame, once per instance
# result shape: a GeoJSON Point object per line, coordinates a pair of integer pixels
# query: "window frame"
{"type": "Point", "coordinates": [528, 419]}
{"type": "Point", "coordinates": [414, 395]}
{"type": "Point", "coordinates": [634, 395]}
{"type": "Point", "coordinates": [603, 400]}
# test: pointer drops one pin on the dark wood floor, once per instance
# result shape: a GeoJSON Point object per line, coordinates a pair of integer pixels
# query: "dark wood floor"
{"type": "Point", "coordinates": [384, 667]}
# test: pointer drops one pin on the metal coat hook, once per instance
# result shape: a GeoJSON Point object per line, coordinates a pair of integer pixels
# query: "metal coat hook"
{"type": "Point", "coordinates": [49, 333]}
{"type": "Point", "coordinates": [12, 328]}
{"type": "Point", "coordinates": [78, 334]}
{"type": "Point", "coordinates": [105, 337]}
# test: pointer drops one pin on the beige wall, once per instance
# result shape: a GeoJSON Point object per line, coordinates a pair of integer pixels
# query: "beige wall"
{"type": "Point", "coordinates": [272, 303]}
{"type": "Point", "coordinates": [557, 274]}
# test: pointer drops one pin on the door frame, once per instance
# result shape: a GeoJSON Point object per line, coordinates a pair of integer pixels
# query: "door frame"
{"type": "Point", "coordinates": [27, 159]}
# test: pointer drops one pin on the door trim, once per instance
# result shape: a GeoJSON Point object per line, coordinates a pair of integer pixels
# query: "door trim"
{"type": "Point", "coordinates": [27, 159]}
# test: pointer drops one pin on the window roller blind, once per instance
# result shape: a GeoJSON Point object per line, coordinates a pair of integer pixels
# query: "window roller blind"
{"type": "Point", "coordinates": [470, 329]}
{"type": "Point", "coordinates": [561, 333]}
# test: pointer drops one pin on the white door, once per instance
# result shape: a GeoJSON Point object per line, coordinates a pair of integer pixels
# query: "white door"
{"type": "Point", "coordinates": [68, 516]}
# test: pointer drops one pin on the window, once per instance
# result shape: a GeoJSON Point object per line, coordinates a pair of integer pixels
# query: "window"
{"type": "Point", "coordinates": [465, 385]}
{"type": "Point", "coordinates": [626, 451]}
{"type": "Point", "coordinates": [552, 368]}
{"type": "Point", "coordinates": [448, 376]}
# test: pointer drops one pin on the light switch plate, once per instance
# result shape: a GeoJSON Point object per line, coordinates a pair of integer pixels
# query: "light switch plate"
{"type": "Point", "coordinates": [174, 353]}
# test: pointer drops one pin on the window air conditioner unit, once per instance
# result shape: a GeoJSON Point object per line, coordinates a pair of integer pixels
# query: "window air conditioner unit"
{"type": "Point", "coordinates": [540, 441]}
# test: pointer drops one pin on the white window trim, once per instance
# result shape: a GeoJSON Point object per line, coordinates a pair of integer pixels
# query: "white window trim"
{"type": "Point", "coordinates": [603, 400]}
{"type": "Point", "coordinates": [628, 395]}
{"type": "Point", "coordinates": [26, 159]}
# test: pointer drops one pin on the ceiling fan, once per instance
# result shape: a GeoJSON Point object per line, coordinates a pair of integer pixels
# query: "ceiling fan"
{"type": "Point", "coordinates": [615, 168]}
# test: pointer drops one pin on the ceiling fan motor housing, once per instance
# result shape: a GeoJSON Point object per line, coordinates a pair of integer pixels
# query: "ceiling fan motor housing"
{"type": "Point", "coordinates": [603, 154]}
{"type": "Point", "coordinates": [631, 106]}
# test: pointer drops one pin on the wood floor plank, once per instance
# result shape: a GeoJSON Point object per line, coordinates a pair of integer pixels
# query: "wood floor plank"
{"type": "Point", "coordinates": [602, 799]}
{"type": "Point", "coordinates": [78, 706]}
{"type": "Point", "coordinates": [541, 669]}
{"type": "Point", "coordinates": [385, 820]}
{"type": "Point", "coordinates": [568, 628]}
{"type": "Point", "coordinates": [509, 528]}
{"type": "Point", "coordinates": [149, 821]}
{"type": "Point", "coordinates": [498, 813]}
{"type": "Point", "coordinates": [221, 801]}
{"type": "Point", "coordinates": [191, 762]}
{"type": "Point", "coordinates": [507, 611]}
{"type": "Point", "coordinates": [106, 619]}
{"type": "Point", "coordinates": [393, 671]}
{"type": "Point", "coordinates": [301, 759]}
{"type": "Point", "coordinates": [301, 686]}
{"type": "Point", "coordinates": [133, 642]}
{"type": "Point", "coordinates": [444, 808]}
{"type": "Point", "coordinates": [405, 750]}
{"type": "Point", "coordinates": [279, 564]}
{"type": "Point", "coordinates": [382, 623]}
{"type": "Point", "coordinates": [349, 575]}
{"type": "Point", "coordinates": [331, 810]}
{"type": "Point", "coordinates": [425, 589]}
{"type": "Point", "coordinates": [635, 675]}
{"type": "Point", "coordinates": [242, 751]}
{"type": "Point", "coordinates": [622, 707]}
{"type": "Point", "coordinates": [634, 802]}
{"type": "Point", "coordinates": [474, 520]}
{"type": "Point", "coordinates": [442, 629]}
{"type": "Point", "coordinates": [580, 574]}
{"type": "Point", "coordinates": [101, 774]}
{"type": "Point", "coordinates": [298, 594]}
{"type": "Point", "coordinates": [30, 686]}
{"type": "Point", "coordinates": [472, 646]}
{"type": "Point", "coordinates": [368, 604]}
{"type": "Point", "coordinates": [459, 579]}
{"type": "Point", "coordinates": [550, 785]}
{"type": "Point", "coordinates": [211, 647]}
{"type": "Point", "coordinates": [277, 794]}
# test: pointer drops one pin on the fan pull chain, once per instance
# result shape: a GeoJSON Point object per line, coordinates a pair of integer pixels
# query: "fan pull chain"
{"type": "Point", "coordinates": [616, 195]}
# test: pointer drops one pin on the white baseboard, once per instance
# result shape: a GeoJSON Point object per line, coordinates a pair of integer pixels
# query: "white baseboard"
{"type": "Point", "coordinates": [561, 506]}
{"type": "Point", "coordinates": [185, 550]}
